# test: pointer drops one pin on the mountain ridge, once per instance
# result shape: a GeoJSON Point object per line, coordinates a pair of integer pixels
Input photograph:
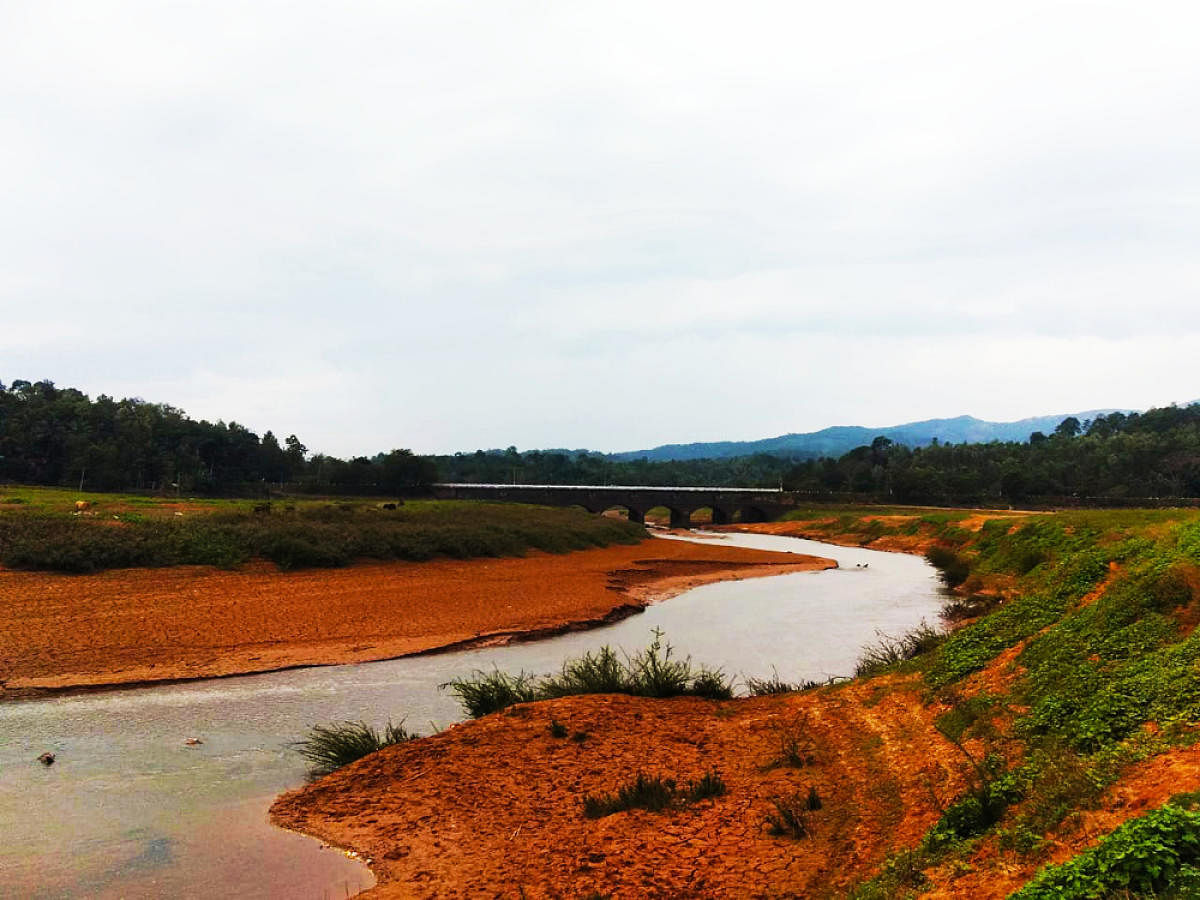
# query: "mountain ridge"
{"type": "Point", "coordinates": [839, 439]}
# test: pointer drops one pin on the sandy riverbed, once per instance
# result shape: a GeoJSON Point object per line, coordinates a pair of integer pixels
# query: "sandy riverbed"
{"type": "Point", "coordinates": [138, 625]}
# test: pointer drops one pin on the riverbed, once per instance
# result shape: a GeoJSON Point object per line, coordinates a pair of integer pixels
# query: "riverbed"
{"type": "Point", "coordinates": [130, 809]}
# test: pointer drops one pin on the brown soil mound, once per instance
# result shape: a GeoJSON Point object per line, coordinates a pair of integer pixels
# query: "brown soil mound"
{"type": "Point", "coordinates": [134, 625]}
{"type": "Point", "coordinates": [494, 807]}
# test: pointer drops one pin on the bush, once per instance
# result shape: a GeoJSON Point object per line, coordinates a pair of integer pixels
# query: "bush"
{"type": "Point", "coordinates": [329, 747]}
{"type": "Point", "coordinates": [601, 672]}
{"type": "Point", "coordinates": [952, 568]}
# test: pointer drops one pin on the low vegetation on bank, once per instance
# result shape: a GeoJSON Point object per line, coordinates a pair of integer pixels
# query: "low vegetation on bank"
{"type": "Point", "coordinates": [329, 747]}
{"type": "Point", "coordinates": [120, 532]}
{"type": "Point", "coordinates": [1102, 672]}
{"type": "Point", "coordinates": [652, 672]}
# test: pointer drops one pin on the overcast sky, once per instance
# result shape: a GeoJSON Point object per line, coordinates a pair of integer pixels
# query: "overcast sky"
{"type": "Point", "coordinates": [609, 225]}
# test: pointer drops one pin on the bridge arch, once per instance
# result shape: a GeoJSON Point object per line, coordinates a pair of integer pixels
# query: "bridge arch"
{"type": "Point", "coordinates": [750, 514]}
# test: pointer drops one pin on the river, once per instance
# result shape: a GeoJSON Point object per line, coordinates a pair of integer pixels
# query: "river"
{"type": "Point", "coordinates": [131, 810]}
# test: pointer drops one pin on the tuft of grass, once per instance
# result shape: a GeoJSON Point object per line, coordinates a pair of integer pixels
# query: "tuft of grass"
{"type": "Point", "coordinates": [653, 793]}
{"type": "Point", "coordinates": [601, 672]}
{"type": "Point", "coordinates": [889, 651]}
{"type": "Point", "coordinates": [557, 729]}
{"type": "Point", "coordinates": [795, 750]}
{"type": "Point", "coordinates": [762, 687]}
{"type": "Point", "coordinates": [329, 747]}
{"type": "Point", "coordinates": [487, 692]}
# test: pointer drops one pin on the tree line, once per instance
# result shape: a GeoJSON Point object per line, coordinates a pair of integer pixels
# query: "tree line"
{"type": "Point", "coordinates": [1149, 455]}
{"type": "Point", "coordinates": [59, 436]}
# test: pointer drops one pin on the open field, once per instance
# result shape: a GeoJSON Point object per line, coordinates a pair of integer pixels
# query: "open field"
{"type": "Point", "coordinates": [42, 529]}
{"type": "Point", "coordinates": [1057, 732]}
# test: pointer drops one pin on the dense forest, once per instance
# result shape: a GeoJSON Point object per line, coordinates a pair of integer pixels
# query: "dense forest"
{"type": "Point", "coordinates": [1155, 454]}
{"type": "Point", "coordinates": [59, 436]}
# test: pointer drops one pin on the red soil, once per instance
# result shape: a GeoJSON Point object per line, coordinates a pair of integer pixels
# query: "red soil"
{"type": "Point", "coordinates": [493, 807]}
{"type": "Point", "coordinates": [135, 625]}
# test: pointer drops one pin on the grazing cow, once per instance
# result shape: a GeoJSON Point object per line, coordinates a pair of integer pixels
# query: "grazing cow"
{"type": "Point", "coordinates": [81, 505]}
{"type": "Point", "coordinates": [389, 506]}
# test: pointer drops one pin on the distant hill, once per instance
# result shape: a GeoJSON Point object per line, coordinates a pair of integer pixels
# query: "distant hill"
{"type": "Point", "coordinates": [842, 438]}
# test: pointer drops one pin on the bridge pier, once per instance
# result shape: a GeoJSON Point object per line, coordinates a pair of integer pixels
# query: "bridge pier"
{"type": "Point", "coordinates": [720, 517]}
{"type": "Point", "coordinates": [636, 515]}
{"type": "Point", "coordinates": [680, 519]}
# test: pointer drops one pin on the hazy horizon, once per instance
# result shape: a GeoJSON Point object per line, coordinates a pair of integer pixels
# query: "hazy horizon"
{"type": "Point", "coordinates": [449, 227]}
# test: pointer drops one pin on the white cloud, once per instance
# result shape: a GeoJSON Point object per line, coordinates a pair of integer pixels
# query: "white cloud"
{"type": "Point", "coordinates": [570, 224]}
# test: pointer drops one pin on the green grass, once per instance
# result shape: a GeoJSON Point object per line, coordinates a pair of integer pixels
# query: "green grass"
{"type": "Point", "coordinates": [42, 534]}
{"type": "Point", "coordinates": [329, 747]}
{"type": "Point", "coordinates": [1154, 855]}
{"type": "Point", "coordinates": [652, 672]}
{"type": "Point", "coordinates": [1098, 686]}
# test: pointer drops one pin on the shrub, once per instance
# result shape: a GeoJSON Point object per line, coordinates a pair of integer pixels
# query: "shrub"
{"type": "Point", "coordinates": [952, 568]}
{"type": "Point", "coordinates": [329, 747]}
{"type": "Point", "coordinates": [795, 750]}
{"type": "Point", "coordinates": [557, 729]}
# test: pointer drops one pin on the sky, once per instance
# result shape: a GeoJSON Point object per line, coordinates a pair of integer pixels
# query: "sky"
{"type": "Point", "coordinates": [444, 225]}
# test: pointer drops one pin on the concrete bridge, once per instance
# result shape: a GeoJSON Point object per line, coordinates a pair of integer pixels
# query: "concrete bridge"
{"type": "Point", "coordinates": [727, 504]}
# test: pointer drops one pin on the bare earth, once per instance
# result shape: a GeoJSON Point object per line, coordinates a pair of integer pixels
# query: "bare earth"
{"type": "Point", "coordinates": [137, 625]}
{"type": "Point", "coordinates": [443, 817]}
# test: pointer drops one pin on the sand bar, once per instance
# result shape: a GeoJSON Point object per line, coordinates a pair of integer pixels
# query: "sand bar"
{"type": "Point", "coordinates": [133, 626]}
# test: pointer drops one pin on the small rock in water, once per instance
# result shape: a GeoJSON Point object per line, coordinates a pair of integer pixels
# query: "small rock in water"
{"type": "Point", "coordinates": [46, 759]}
{"type": "Point", "coordinates": [192, 742]}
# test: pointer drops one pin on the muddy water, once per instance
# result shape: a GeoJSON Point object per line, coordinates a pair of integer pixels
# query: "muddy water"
{"type": "Point", "coordinates": [130, 810]}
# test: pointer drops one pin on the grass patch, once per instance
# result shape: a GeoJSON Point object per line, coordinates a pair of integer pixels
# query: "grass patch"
{"type": "Point", "coordinates": [888, 651]}
{"type": "Point", "coordinates": [306, 535]}
{"type": "Point", "coordinates": [653, 793]}
{"type": "Point", "coordinates": [329, 747]}
{"type": "Point", "coordinates": [652, 672]}
{"type": "Point", "coordinates": [1154, 855]}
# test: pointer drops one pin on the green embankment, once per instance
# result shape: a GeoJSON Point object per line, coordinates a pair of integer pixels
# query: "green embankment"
{"type": "Point", "coordinates": [1101, 614]}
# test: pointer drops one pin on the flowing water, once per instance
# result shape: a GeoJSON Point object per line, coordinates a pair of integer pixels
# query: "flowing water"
{"type": "Point", "coordinates": [131, 810]}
